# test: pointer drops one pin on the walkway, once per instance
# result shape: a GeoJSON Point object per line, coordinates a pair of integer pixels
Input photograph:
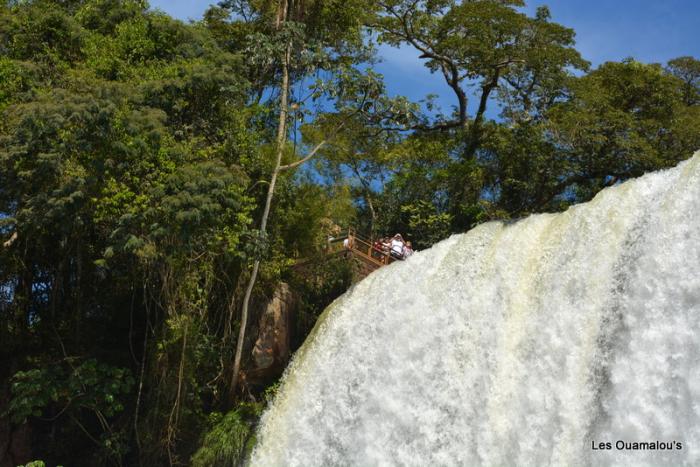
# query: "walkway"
{"type": "Point", "coordinates": [360, 250]}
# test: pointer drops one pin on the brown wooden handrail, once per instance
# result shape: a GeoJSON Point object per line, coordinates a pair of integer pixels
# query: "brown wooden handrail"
{"type": "Point", "coordinates": [366, 247]}
{"type": "Point", "coordinates": [360, 248]}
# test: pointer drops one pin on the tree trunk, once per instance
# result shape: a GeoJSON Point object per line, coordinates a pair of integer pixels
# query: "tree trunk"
{"type": "Point", "coordinates": [474, 134]}
{"type": "Point", "coordinates": [281, 139]}
{"type": "Point", "coordinates": [373, 225]}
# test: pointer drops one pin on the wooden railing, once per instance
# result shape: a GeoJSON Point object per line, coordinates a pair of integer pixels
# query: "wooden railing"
{"type": "Point", "coordinates": [359, 248]}
{"type": "Point", "coordinates": [363, 250]}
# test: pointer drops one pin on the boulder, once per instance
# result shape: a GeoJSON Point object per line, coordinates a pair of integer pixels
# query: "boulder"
{"type": "Point", "coordinates": [272, 347]}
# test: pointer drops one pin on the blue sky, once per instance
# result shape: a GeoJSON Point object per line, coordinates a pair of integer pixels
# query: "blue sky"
{"type": "Point", "coordinates": [649, 31]}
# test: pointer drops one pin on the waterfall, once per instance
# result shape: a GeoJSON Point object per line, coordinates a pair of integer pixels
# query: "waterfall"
{"type": "Point", "coordinates": [546, 341]}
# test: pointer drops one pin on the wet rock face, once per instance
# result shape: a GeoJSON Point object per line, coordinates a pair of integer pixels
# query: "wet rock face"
{"type": "Point", "coordinates": [272, 348]}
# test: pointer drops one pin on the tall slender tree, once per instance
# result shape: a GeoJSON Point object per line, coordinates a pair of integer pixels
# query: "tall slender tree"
{"type": "Point", "coordinates": [306, 39]}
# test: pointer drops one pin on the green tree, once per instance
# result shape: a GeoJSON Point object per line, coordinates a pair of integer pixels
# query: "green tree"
{"type": "Point", "coordinates": [622, 120]}
{"type": "Point", "coordinates": [687, 69]}
{"type": "Point", "coordinates": [491, 46]}
{"type": "Point", "coordinates": [297, 40]}
{"type": "Point", "coordinates": [125, 212]}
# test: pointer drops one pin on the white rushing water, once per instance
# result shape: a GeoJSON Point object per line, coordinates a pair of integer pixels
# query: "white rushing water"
{"type": "Point", "coordinates": [514, 344]}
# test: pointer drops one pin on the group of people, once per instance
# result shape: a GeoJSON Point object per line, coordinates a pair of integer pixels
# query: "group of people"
{"type": "Point", "coordinates": [394, 246]}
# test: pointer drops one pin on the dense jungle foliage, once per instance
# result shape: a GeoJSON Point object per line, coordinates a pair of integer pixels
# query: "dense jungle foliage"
{"type": "Point", "coordinates": [158, 179]}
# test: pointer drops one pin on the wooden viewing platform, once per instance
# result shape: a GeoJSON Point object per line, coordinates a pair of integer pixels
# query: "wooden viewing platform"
{"type": "Point", "coordinates": [359, 249]}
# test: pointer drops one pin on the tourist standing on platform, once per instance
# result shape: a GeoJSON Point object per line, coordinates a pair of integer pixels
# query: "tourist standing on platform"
{"type": "Point", "coordinates": [397, 246]}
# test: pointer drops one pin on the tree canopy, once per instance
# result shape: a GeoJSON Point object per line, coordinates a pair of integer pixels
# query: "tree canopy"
{"type": "Point", "coordinates": [159, 179]}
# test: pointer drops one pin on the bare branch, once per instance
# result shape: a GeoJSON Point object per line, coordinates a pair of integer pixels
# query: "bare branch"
{"type": "Point", "coordinates": [448, 67]}
{"type": "Point", "coordinates": [313, 151]}
{"type": "Point", "coordinates": [12, 240]}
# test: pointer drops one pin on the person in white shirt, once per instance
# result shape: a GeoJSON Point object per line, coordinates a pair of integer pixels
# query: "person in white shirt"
{"type": "Point", "coordinates": [397, 246]}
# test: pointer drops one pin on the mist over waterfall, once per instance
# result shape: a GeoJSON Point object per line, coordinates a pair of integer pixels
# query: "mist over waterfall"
{"type": "Point", "coordinates": [525, 343]}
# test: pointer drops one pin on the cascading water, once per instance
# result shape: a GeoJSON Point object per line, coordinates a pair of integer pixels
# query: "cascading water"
{"type": "Point", "coordinates": [530, 343]}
